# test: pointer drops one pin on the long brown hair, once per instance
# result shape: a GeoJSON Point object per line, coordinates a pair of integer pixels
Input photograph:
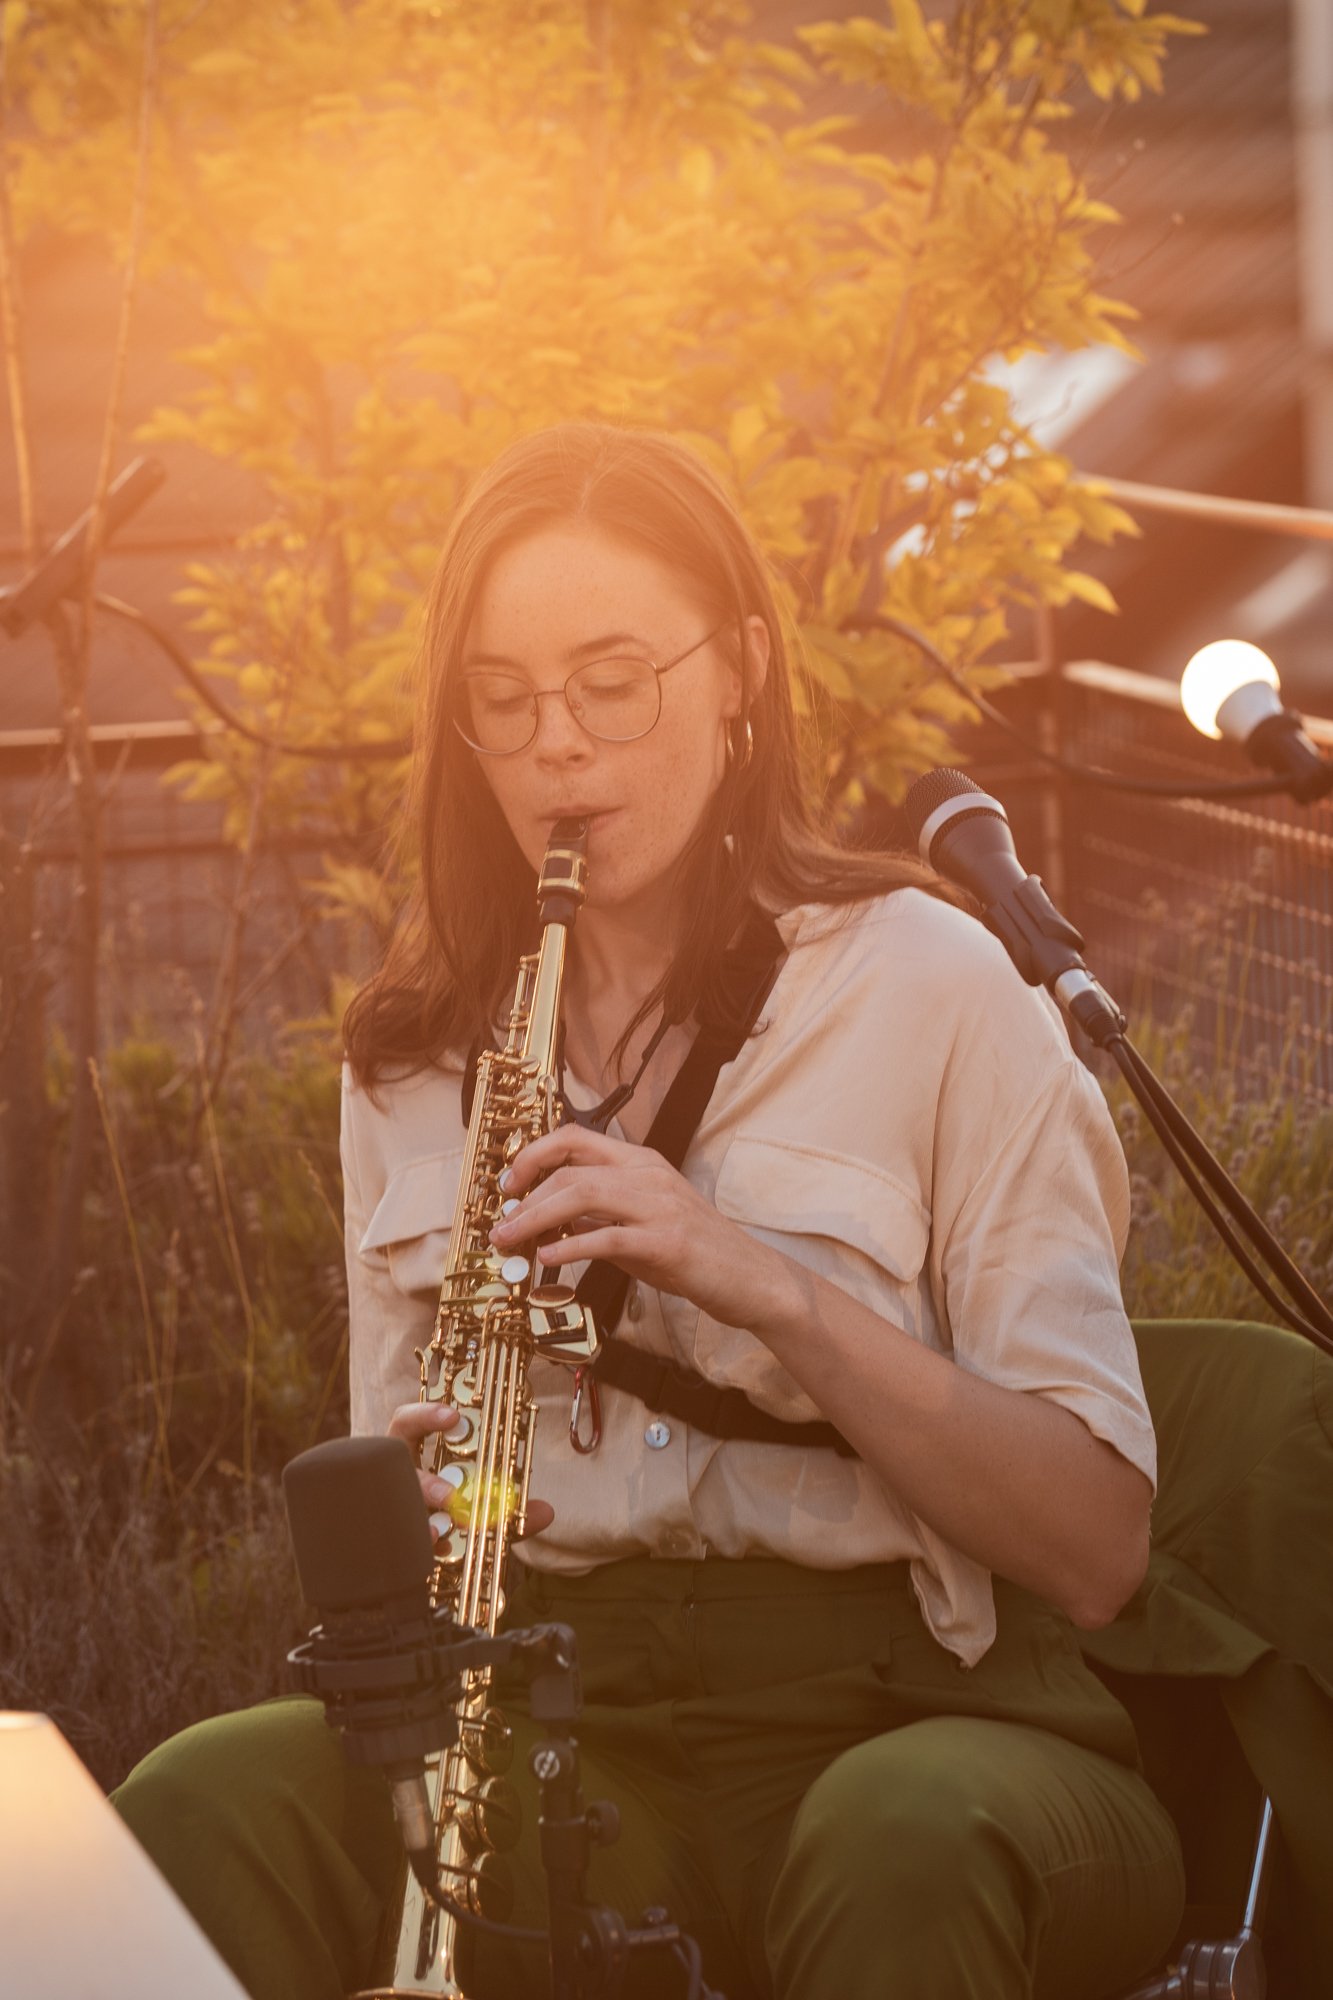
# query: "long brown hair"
{"type": "Point", "coordinates": [471, 916]}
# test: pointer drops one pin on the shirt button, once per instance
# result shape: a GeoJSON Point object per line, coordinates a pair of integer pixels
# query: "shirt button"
{"type": "Point", "coordinates": [676, 1543]}
{"type": "Point", "coordinates": [635, 1306]}
{"type": "Point", "coordinates": [657, 1435]}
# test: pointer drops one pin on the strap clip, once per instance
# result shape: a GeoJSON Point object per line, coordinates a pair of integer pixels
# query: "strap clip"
{"type": "Point", "coordinates": [584, 1378]}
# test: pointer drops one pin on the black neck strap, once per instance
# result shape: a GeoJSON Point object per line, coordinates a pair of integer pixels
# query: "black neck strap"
{"type": "Point", "coordinates": [747, 977]}
{"type": "Point", "coordinates": [746, 980]}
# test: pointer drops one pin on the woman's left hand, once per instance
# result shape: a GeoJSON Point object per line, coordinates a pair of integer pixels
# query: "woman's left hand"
{"type": "Point", "coordinates": [625, 1203]}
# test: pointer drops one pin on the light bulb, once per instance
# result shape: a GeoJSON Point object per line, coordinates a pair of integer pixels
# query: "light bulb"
{"type": "Point", "coordinates": [1218, 672]}
{"type": "Point", "coordinates": [1231, 689]}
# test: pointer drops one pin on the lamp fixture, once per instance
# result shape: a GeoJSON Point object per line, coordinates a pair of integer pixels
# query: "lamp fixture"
{"type": "Point", "coordinates": [1231, 689]}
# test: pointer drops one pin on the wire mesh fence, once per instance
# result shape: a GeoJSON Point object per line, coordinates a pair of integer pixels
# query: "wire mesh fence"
{"type": "Point", "coordinates": [1219, 911]}
{"type": "Point", "coordinates": [170, 884]}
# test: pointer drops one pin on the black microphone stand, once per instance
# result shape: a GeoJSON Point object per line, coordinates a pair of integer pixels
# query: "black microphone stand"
{"type": "Point", "coordinates": [380, 1694]}
{"type": "Point", "coordinates": [1048, 951]}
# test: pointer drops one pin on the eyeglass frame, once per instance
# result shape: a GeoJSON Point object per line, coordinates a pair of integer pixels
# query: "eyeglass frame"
{"type": "Point", "coordinates": [539, 694]}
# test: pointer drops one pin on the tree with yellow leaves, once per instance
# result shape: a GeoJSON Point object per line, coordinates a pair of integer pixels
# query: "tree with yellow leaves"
{"type": "Point", "coordinates": [422, 229]}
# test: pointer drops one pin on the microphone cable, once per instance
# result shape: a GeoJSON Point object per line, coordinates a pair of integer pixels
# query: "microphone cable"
{"type": "Point", "coordinates": [1094, 774]}
{"type": "Point", "coordinates": [1201, 1170]}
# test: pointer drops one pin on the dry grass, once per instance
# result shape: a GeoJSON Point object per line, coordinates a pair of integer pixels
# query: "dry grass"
{"type": "Point", "coordinates": [146, 1578]}
{"type": "Point", "coordinates": [123, 1627]}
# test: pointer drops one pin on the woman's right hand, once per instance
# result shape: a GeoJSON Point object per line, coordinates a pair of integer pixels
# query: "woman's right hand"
{"type": "Point", "coordinates": [415, 1424]}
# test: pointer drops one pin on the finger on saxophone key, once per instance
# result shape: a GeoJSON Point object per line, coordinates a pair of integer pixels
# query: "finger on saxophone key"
{"type": "Point", "coordinates": [440, 1493]}
{"type": "Point", "coordinates": [414, 1422]}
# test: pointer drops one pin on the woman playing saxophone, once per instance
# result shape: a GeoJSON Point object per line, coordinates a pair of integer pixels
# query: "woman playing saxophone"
{"type": "Point", "coordinates": [834, 1692]}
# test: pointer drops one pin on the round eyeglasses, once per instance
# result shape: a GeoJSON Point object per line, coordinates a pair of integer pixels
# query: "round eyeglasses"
{"type": "Point", "coordinates": [615, 700]}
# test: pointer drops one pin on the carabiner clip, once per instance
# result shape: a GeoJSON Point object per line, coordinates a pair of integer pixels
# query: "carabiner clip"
{"type": "Point", "coordinates": [585, 1378]}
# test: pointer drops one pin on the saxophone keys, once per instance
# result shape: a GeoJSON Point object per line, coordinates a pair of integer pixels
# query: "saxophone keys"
{"type": "Point", "coordinates": [451, 1547]}
{"type": "Point", "coordinates": [515, 1270]}
{"type": "Point", "coordinates": [488, 1742]}
{"type": "Point", "coordinates": [452, 1544]}
{"type": "Point", "coordinates": [489, 1817]}
{"type": "Point", "coordinates": [559, 1325]}
{"type": "Point", "coordinates": [552, 1296]}
{"type": "Point", "coordinates": [487, 1889]}
{"type": "Point", "coordinates": [460, 1442]}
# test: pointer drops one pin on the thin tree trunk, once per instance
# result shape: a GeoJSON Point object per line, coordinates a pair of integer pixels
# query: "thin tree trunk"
{"type": "Point", "coordinates": [43, 1392]}
{"type": "Point", "coordinates": [43, 1395]}
{"type": "Point", "coordinates": [25, 1116]}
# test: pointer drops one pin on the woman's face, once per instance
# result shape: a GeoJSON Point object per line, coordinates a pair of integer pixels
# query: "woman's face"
{"type": "Point", "coordinates": [568, 595]}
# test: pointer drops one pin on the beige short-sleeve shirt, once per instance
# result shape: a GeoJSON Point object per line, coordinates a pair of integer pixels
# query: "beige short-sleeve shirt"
{"type": "Point", "coordinates": [912, 1124]}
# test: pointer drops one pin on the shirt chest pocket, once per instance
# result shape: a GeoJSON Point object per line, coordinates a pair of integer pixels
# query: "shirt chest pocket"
{"type": "Point", "coordinates": [409, 1231]}
{"type": "Point", "coordinates": [839, 1216]}
{"type": "Point", "coordinates": [778, 1189]}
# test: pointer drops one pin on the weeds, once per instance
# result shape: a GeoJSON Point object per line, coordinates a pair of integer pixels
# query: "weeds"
{"type": "Point", "coordinates": [146, 1578]}
{"type": "Point", "coordinates": [1258, 1108]}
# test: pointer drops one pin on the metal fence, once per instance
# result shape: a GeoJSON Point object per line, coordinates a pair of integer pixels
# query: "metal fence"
{"type": "Point", "coordinates": [1222, 912]}
{"type": "Point", "coordinates": [170, 882]}
{"type": "Point", "coordinates": [1226, 910]}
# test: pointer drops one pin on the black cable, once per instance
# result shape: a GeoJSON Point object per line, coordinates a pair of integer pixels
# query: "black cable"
{"type": "Point", "coordinates": [681, 1944]}
{"type": "Point", "coordinates": [1181, 1160]}
{"type": "Point", "coordinates": [331, 753]}
{"type": "Point", "coordinates": [1165, 1116]}
{"type": "Point", "coordinates": [1220, 788]}
{"type": "Point", "coordinates": [516, 1933]}
{"type": "Point", "coordinates": [1284, 1269]}
{"type": "Point", "coordinates": [687, 1951]}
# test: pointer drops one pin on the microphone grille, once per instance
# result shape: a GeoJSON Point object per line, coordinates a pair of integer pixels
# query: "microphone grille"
{"type": "Point", "coordinates": [358, 1522]}
{"type": "Point", "coordinates": [930, 792]}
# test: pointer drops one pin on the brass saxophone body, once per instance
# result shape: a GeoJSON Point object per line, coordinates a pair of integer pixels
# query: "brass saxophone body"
{"type": "Point", "coordinates": [491, 1320]}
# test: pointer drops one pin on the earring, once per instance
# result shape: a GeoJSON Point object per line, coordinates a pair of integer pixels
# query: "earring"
{"type": "Point", "coordinates": [739, 763]}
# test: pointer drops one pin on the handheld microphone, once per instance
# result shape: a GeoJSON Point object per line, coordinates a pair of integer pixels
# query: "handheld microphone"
{"type": "Point", "coordinates": [363, 1555]}
{"type": "Point", "coordinates": [964, 833]}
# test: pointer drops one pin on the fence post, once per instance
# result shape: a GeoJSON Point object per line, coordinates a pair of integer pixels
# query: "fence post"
{"type": "Point", "coordinates": [25, 1115]}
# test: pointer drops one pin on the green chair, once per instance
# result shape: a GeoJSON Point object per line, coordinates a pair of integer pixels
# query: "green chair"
{"type": "Point", "coordinates": [1224, 1656]}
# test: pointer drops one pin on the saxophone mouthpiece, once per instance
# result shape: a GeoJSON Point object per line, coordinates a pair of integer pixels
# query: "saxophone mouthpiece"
{"type": "Point", "coordinates": [563, 882]}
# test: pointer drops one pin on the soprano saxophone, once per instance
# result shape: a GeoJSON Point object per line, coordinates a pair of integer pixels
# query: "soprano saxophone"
{"type": "Point", "coordinates": [492, 1319]}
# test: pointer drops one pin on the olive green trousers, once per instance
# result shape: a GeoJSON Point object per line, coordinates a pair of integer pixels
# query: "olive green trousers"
{"type": "Point", "coordinates": [812, 1786]}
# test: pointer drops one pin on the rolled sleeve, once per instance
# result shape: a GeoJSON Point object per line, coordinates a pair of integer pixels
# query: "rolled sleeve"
{"type": "Point", "coordinates": [1029, 1235]}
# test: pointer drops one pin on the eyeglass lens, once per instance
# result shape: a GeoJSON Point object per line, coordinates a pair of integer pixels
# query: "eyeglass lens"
{"type": "Point", "coordinates": [614, 699]}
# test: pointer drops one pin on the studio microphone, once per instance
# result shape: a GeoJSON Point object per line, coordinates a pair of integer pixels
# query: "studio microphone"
{"type": "Point", "coordinates": [364, 1558]}
{"type": "Point", "coordinates": [963, 833]}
